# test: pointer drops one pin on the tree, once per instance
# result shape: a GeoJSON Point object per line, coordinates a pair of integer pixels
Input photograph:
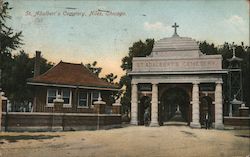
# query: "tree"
{"type": "Point", "coordinates": [110, 78]}
{"type": "Point", "coordinates": [8, 41]}
{"type": "Point", "coordinates": [93, 68]}
{"type": "Point", "coordinates": [19, 93]}
{"type": "Point", "coordinates": [18, 68]}
{"type": "Point", "coordinates": [208, 49]}
{"type": "Point", "coordinates": [226, 51]}
{"type": "Point", "coordinates": [138, 49]}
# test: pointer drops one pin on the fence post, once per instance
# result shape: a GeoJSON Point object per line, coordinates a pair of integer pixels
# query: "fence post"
{"type": "Point", "coordinates": [100, 109]}
{"type": "Point", "coordinates": [58, 104]}
{"type": "Point", "coordinates": [99, 106]}
{"type": "Point", "coordinates": [244, 111]}
{"type": "Point", "coordinates": [1, 108]}
{"type": "Point", "coordinates": [116, 107]}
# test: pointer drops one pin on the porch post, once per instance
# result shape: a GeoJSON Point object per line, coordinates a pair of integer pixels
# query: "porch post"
{"type": "Point", "coordinates": [134, 104]}
{"type": "Point", "coordinates": [195, 106]}
{"type": "Point", "coordinates": [154, 106]}
{"type": "Point", "coordinates": [218, 106]}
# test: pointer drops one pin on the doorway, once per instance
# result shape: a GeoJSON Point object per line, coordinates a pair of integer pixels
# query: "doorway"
{"type": "Point", "coordinates": [206, 107]}
{"type": "Point", "coordinates": [174, 105]}
{"type": "Point", "coordinates": [145, 102]}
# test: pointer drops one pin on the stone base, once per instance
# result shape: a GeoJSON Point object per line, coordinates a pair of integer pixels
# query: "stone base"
{"type": "Point", "coordinates": [33, 129]}
{"type": "Point", "coordinates": [154, 124]}
{"type": "Point", "coordinates": [244, 112]}
{"type": "Point", "coordinates": [219, 126]}
{"type": "Point", "coordinates": [56, 128]}
{"type": "Point", "coordinates": [195, 125]}
{"type": "Point", "coordinates": [133, 122]}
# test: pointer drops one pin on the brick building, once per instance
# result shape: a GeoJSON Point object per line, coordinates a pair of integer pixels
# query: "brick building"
{"type": "Point", "coordinates": [78, 87]}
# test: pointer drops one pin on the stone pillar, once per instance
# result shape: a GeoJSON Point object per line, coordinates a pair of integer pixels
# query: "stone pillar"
{"type": "Point", "coordinates": [230, 110]}
{"type": "Point", "coordinates": [100, 109]}
{"type": "Point", "coordinates": [134, 104]}
{"type": "Point", "coordinates": [218, 106]}
{"type": "Point", "coordinates": [244, 111]}
{"type": "Point", "coordinates": [154, 106]}
{"type": "Point", "coordinates": [58, 104]}
{"type": "Point", "coordinates": [195, 107]}
{"type": "Point", "coordinates": [100, 105]}
{"type": "Point", "coordinates": [57, 121]}
{"type": "Point", "coordinates": [116, 107]}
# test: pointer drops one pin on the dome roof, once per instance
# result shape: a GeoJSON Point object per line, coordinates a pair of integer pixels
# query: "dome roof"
{"type": "Point", "coordinates": [176, 46]}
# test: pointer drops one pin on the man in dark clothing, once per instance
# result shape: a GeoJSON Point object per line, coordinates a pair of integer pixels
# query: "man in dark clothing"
{"type": "Point", "coordinates": [146, 116]}
{"type": "Point", "coordinates": [207, 120]}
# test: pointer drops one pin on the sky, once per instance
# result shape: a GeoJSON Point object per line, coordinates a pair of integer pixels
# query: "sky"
{"type": "Point", "coordinates": [75, 31]}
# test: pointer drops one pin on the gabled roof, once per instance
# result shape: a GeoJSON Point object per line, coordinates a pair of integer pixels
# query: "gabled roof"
{"type": "Point", "coordinates": [69, 74]}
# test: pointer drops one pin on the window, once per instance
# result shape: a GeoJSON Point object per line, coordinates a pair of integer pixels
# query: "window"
{"type": "Point", "coordinates": [82, 99]}
{"type": "Point", "coordinates": [51, 95]}
{"type": "Point", "coordinates": [94, 97]}
{"type": "Point", "coordinates": [66, 96]}
{"type": "Point", "coordinates": [65, 93]}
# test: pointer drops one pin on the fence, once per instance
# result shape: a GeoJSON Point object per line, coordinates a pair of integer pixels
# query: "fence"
{"type": "Point", "coordinates": [25, 121]}
{"type": "Point", "coordinates": [237, 122]}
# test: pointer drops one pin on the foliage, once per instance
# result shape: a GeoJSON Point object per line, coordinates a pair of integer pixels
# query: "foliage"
{"type": "Point", "coordinates": [93, 68]}
{"type": "Point", "coordinates": [138, 49]}
{"type": "Point", "coordinates": [9, 39]}
{"type": "Point", "coordinates": [208, 49]}
{"type": "Point", "coordinates": [110, 78]}
{"type": "Point", "coordinates": [22, 68]}
{"type": "Point", "coordinates": [226, 51]}
{"type": "Point", "coordinates": [243, 52]}
{"type": "Point", "coordinates": [15, 69]}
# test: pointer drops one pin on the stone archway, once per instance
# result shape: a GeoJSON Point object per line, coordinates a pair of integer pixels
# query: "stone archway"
{"type": "Point", "coordinates": [172, 99]}
{"type": "Point", "coordinates": [145, 102]}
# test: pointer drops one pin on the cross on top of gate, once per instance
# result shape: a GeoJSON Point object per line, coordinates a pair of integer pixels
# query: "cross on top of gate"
{"type": "Point", "coordinates": [175, 26]}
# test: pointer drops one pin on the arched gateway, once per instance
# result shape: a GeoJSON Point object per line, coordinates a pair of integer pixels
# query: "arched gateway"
{"type": "Point", "coordinates": [182, 84]}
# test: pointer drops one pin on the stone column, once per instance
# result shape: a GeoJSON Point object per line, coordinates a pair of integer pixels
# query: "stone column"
{"type": "Point", "coordinates": [134, 104]}
{"type": "Point", "coordinates": [195, 107]}
{"type": "Point", "coordinates": [218, 106]}
{"type": "Point", "coordinates": [154, 106]}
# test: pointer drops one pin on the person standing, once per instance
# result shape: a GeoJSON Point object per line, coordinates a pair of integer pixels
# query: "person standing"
{"type": "Point", "coordinates": [146, 116]}
{"type": "Point", "coordinates": [207, 120]}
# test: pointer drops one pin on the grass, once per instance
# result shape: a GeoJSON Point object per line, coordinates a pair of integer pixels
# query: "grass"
{"type": "Point", "coordinates": [26, 137]}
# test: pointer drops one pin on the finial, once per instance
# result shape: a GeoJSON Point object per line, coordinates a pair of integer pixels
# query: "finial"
{"type": "Point", "coordinates": [99, 97]}
{"type": "Point", "coordinates": [175, 26]}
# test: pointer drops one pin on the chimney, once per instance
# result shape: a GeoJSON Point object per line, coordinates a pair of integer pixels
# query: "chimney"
{"type": "Point", "coordinates": [37, 63]}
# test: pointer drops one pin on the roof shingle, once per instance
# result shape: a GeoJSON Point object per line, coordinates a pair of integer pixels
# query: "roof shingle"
{"type": "Point", "coordinates": [71, 74]}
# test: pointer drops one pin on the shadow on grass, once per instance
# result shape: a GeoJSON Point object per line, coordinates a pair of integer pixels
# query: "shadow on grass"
{"type": "Point", "coordinates": [245, 136]}
{"type": "Point", "coordinates": [189, 133]}
{"type": "Point", "coordinates": [26, 137]}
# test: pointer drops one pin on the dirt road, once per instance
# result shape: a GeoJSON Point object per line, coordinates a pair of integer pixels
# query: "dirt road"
{"type": "Point", "coordinates": [169, 141]}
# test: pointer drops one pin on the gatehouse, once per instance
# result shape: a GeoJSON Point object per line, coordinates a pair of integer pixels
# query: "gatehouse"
{"type": "Point", "coordinates": [177, 83]}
